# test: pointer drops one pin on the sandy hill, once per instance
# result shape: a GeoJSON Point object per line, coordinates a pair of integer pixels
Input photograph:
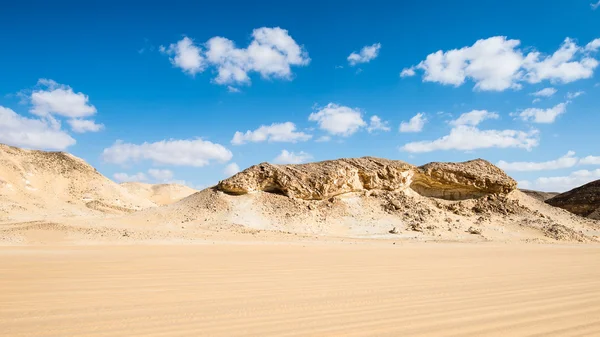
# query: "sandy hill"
{"type": "Point", "coordinates": [39, 184]}
{"type": "Point", "coordinates": [583, 200]}
{"type": "Point", "coordinates": [160, 194]}
{"type": "Point", "coordinates": [543, 196]}
{"type": "Point", "coordinates": [373, 198]}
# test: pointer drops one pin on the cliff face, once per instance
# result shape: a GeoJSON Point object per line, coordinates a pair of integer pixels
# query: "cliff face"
{"type": "Point", "coordinates": [323, 180]}
{"type": "Point", "coordinates": [583, 200]}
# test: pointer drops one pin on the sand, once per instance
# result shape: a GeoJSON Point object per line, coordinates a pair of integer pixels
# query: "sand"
{"type": "Point", "coordinates": [300, 289]}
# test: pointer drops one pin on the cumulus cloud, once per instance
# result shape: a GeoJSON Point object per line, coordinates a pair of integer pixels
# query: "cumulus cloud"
{"type": "Point", "coordinates": [286, 157]}
{"type": "Point", "coordinates": [84, 125]}
{"type": "Point", "coordinates": [161, 175]}
{"type": "Point", "coordinates": [566, 161]}
{"type": "Point", "coordinates": [338, 120]}
{"type": "Point", "coordinates": [542, 116]}
{"type": "Point", "coordinates": [546, 92]}
{"type": "Point", "coordinates": [196, 152]}
{"type": "Point", "coordinates": [122, 177]}
{"type": "Point", "coordinates": [415, 124]}
{"type": "Point", "coordinates": [376, 124]}
{"type": "Point", "coordinates": [276, 132]}
{"type": "Point", "coordinates": [408, 72]}
{"type": "Point", "coordinates": [271, 53]}
{"type": "Point", "coordinates": [497, 64]}
{"type": "Point", "coordinates": [185, 55]}
{"type": "Point", "coordinates": [231, 169]}
{"type": "Point", "coordinates": [366, 54]}
{"type": "Point", "coordinates": [36, 133]}
{"type": "Point", "coordinates": [590, 160]}
{"type": "Point", "coordinates": [466, 136]}
{"type": "Point", "coordinates": [562, 183]}
{"type": "Point", "coordinates": [52, 98]}
{"type": "Point", "coordinates": [473, 118]}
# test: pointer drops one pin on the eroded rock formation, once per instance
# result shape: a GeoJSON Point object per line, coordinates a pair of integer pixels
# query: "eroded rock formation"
{"type": "Point", "coordinates": [583, 200]}
{"type": "Point", "coordinates": [323, 180]}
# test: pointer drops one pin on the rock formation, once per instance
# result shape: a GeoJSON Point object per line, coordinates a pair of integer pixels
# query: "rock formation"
{"type": "Point", "coordinates": [323, 180]}
{"type": "Point", "coordinates": [583, 200]}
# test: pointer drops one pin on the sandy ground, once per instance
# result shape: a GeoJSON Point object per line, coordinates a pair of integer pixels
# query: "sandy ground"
{"type": "Point", "coordinates": [300, 289]}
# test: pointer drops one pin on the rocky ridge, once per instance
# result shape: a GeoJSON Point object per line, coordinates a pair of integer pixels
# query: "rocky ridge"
{"type": "Point", "coordinates": [583, 200]}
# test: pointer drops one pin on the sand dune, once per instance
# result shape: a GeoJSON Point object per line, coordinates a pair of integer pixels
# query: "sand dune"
{"type": "Point", "coordinates": [160, 194]}
{"type": "Point", "coordinates": [296, 290]}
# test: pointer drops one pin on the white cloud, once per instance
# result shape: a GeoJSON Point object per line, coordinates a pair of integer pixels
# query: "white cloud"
{"type": "Point", "coordinates": [571, 95]}
{"type": "Point", "coordinates": [233, 89]}
{"type": "Point", "coordinates": [377, 124]}
{"type": "Point", "coordinates": [195, 152]}
{"type": "Point", "coordinates": [271, 53]}
{"type": "Point", "coordinates": [566, 161]}
{"type": "Point", "coordinates": [562, 183]}
{"type": "Point", "coordinates": [323, 139]}
{"type": "Point", "coordinates": [231, 169]}
{"type": "Point", "coordinates": [366, 54]}
{"type": "Point", "coordinates": [338, 120]}
{"type": "Point", "coordinates": [276, 132]}
{"type": "Point", "coordinates": [415, 124]}
{"type": "Point", "coordinates": [58, 99]}
{"type": "Point", "coordinates": [286, 157]}
{"type": "Point", "coordinates": [44, 133]}
{"type": "Point", "coordinates": [561, 66]}
{"type": "Point", "coordinates": [84, 125]}
{"type": "Point", "coordinates": [536, 100]}
{"type": "Point", "coordinates": [122, 177]}
{"type": "Point", "coordinates": [595, 5]}
{"type": "Point", "coordinates": [590, 160]}
{"type": "Point", "coordinates": [473, 118]}
{"type": "Point", "coordinates": [466, 138]}
{"type": "Point", "coordinates": [408, 72]}
{"type": "Point", "coordinates": [542, 116]}
{"type": "Point", "coordinates": [546, 92]}
{"type": "Point", "coordinates": [593, 46]}
{"type": "Point", "coordinates": [161, 175]}
{"type": "Point", "coordinates": [186, 55]}
{"type": "Point", "coordinates": [497, 64]}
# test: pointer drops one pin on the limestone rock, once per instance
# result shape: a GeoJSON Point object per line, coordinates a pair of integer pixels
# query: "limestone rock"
{"type": "Point", "coordinates": [583, 200]}
{"type": "Point", "coordinates": [321, 180]}
{"type": "Point", "coordinates": [458, 181]}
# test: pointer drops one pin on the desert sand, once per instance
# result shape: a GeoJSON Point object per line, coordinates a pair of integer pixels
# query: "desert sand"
{"type": "Point", "coordinates": [350, 247]}
{"type": "Point", "coordinates": [310, 289]}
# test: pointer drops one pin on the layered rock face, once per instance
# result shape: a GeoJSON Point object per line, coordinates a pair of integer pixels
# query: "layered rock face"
{"type": "Point", "coordinates": [323, 180]}
{"type": "Point", "coordinates": [583, 200]}
{"type": "Point", "coordinates": [458, 181]}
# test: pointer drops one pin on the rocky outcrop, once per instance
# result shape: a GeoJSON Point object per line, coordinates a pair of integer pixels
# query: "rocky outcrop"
{"type": "Point", "coordinates": [323, 180]}
{"type": "Point", "coordinates": [458, 181]}
{"type": "Point", "coordinates": [583, 200]}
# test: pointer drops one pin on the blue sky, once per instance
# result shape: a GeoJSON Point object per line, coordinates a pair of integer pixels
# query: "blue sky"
{"type": "Point", "coordinates": [157, 92]}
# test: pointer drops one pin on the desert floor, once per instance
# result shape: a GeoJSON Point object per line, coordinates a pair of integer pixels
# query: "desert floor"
{"type": "Point", "coordinates": [300, 289]}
